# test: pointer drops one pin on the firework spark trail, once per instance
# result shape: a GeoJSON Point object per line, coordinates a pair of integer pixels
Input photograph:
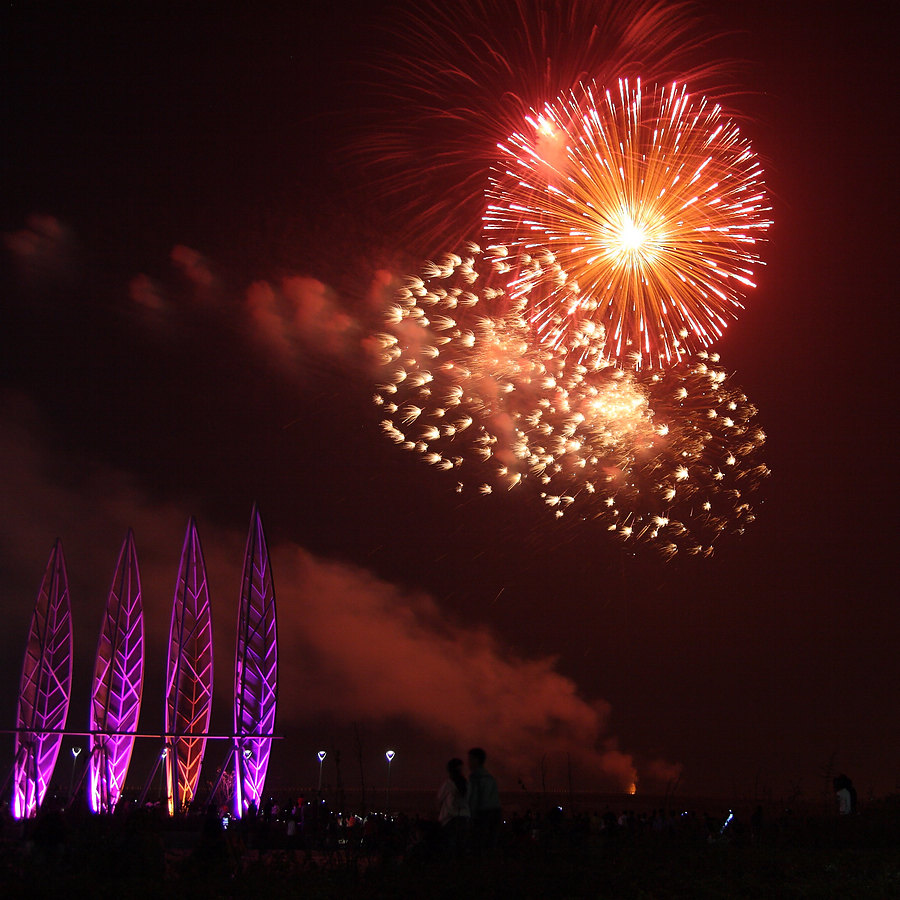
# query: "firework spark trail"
{"type": "Point", "coordinates": [653, 204]}
{"type": "Point", "coordinates": [667, 458]}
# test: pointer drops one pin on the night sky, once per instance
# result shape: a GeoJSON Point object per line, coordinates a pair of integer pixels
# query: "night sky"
{"type": "Point", "coordinates": [167, 173]}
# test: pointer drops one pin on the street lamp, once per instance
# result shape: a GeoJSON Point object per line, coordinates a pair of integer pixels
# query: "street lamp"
{"type": "Point", "coordinates": [321, 754]}
{"type": "Point", "coordinates": [75, 752]}
{"type": "Point", "coordinates": [163, 774]}
{"type": "Point", "coordinates": [389, 756]}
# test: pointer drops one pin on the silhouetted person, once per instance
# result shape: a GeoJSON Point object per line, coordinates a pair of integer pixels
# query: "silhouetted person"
{"type": "Point", "coordinates": [211, 852]}
{"type": "Point", "coordinates": [212, 823]}
{"type": "Point", "coordinates": [845, 794]}
{"type": "Point", "coordinates": [484, 803]}
{"type": "Point", "coordinates": [49, 834]}
{"type": "Point", "coordinates": [453, 808]}
{"type": "Point", "coordinates": [248, 824]}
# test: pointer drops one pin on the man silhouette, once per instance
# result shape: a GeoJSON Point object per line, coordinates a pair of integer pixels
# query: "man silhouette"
{"type": "Point", "coordinates": [484, 803]}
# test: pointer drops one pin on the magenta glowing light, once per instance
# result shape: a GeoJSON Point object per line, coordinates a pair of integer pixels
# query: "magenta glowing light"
{"type": "Point", "coordinates": [118, 683]}
{"type": "Point", "coordinates": [45, 689]}
{"type": "Point", "coordinates": [255, 671]}
{"type": "Point", "coordinates": [189, 675]}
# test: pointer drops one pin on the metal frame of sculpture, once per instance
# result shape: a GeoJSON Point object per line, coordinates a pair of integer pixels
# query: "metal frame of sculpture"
{"type": "Point", "coordinates": [189, 676]}
{"type": "Point", "coordinates": [45, 689]}
{"type": "Point", "coordinates": [255, 671]}
{"type": "Point", "coordinates": [118, 684]}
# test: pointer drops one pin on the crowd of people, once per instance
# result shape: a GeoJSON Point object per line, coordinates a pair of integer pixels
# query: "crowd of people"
{"type": "Point", "coordinates": [467, 824]}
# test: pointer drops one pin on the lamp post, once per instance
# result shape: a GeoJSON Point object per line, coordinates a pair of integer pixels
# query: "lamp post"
{"type": "Point", "coordinates": [241, 780]}
{"type": "Point", "coordinates": [164, 775]}
{"type": "Point", "coordinates": [321, 754]}
{"type": "Point", "coordinates": [75, 752]}
{"type": "Point", "coordinates": [389, 756]}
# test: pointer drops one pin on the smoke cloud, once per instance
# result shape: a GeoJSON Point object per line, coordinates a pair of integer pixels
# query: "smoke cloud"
{"type": "Point", "coordinates": [290, 319]}
{"type": "Point", "coordinates": [144, 291]}
{"type": "Point", "coordinates": [193, 265]}
{"type": "Point", "coordinates": [301, 314]}
{"type": "Point", "coordinates": [43, 250]}
{"type": "Point", "coordinates": [378, 652]}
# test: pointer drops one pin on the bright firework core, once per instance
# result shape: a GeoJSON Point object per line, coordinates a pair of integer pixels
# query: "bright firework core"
{"type": "Point", "coordinates": [632, 240]}
{"type": "Point", "coordinates": [632, 236]}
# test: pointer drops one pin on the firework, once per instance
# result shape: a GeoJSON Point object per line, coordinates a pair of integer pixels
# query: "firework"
{"type": "Point", "coordinates": [667, 457]}
{"type": "Point", "coordinates": [456, 79]}
{"type": "Point", "coordinates": [459, 370]}
{"type": "Point", "coordinates": [652, 203]}
{"type": "Point", "coordinates": [690, 448]}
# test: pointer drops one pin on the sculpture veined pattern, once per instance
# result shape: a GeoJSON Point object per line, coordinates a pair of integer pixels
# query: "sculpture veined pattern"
{"type": "Point", "coordinates": [189, 676]}
{"type": "Point", "coordinates": [255, 671]}
{"type": "Point", "coordinates": [118, 683]}
{"type": "Point", "coordinates": [45, 689]}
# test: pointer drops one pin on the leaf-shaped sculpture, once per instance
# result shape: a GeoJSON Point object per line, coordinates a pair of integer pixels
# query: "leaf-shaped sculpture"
{"type": "Point", "coordinates": [189, 675]}
{"type": "Point", "coordinates": [45, 689]}
{"type": "Point", "coordinates": [118, 683]}
{"type": "Point", "coordinates": [255, 671]}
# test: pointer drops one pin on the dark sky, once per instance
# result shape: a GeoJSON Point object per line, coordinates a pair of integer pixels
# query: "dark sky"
{"type": "Point", "coordinates": [164, 170]}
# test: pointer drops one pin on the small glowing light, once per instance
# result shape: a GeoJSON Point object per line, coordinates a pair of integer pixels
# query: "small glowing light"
{"type": "Point", "coordinates": [321, 754]}
{"type": "Point", "coordinates": [389, 755]}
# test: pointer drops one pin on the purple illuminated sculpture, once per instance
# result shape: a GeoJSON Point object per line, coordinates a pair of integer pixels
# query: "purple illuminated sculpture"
{"type": "Point", "coordinates": [255, 672]}
{"type": "Point", "coordinates": [189, 676]}
{"type": "Point", "coordinates": [118, 682]}
{"type": "Point", "coordinates": [45, 689]}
